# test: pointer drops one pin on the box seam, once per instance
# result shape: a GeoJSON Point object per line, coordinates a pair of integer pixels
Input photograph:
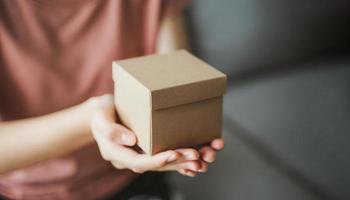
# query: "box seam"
{"type": "Point", "coordinates": [213, 97]}
{"type": "Point", "coordinates": [195, 82]}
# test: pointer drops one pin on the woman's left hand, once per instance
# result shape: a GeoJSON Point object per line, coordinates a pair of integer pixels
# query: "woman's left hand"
{"type": "Point", "coordinates": [207, 156]}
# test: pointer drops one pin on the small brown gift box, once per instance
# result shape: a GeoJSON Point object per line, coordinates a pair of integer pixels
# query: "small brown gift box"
{"type": "Point", "coordinates": [170, 101]}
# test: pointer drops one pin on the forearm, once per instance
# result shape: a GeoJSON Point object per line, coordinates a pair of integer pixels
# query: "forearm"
{"type": "Point", "coordinates": [172, 35]}
{"type": "Point", "coordinates": [28, 141]}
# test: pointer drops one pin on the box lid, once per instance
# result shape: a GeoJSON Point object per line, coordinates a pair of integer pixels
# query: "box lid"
{"type": "Point", "coordinates": [175, 78]}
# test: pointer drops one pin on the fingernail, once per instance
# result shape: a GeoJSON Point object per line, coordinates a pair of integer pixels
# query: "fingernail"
{"type": "Point", "coordinates": [192, 166]}
{"type": "Point", "coordinates": [127, 139]}
{"type": "Point", "coordinates": [190, 156]}
{"type": "Point", "coordinates": [202, 170]}
{"type": "Point", "coordinates": [210, 160]}
{"type": "Point", "coordinates": [192, 175]}
{"type": "Point", "coordinates": [171, 158]}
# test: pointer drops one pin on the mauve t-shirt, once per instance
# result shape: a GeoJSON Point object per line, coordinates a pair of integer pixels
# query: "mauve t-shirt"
{"type": "Point", "coordinates": [56, 54]}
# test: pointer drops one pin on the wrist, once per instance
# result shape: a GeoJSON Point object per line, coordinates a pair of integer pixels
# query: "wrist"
{"type": "Point", "coordinates": [97, 104]}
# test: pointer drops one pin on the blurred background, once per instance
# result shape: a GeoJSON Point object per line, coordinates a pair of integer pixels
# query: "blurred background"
{"type": "Point", "coordinates": [287, 107]}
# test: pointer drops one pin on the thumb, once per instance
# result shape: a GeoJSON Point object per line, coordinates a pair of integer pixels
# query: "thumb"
{"type": "Point", "coordinates": [104, 124]}
{"type": "Point", "coordinates": [153, 163]}
{"type": "Point", "coordinates": [122, 135]}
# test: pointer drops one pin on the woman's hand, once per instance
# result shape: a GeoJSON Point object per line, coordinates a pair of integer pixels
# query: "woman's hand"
{"type": "Point", "coordinates": [207, 155]}
{"type": "Point", "coordinates": [117, 145]}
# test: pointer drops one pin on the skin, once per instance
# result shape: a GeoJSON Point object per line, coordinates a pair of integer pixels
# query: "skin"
{"type": "Point", "coordinates": [29, 141]}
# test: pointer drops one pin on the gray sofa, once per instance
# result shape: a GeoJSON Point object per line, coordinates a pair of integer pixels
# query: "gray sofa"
{"type": "Point", "coordinates": [287, 108]}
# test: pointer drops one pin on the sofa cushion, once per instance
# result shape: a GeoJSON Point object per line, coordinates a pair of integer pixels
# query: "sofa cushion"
{"type": "Point", "coordinates": [302, 116]}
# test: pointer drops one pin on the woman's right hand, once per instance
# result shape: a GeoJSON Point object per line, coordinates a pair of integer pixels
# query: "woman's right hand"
{"type": "Point", "coordinates": [117, 145]}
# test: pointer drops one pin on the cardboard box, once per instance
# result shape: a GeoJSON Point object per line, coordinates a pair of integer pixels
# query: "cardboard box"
{"type": "Point", "coordinates": [170, 101]}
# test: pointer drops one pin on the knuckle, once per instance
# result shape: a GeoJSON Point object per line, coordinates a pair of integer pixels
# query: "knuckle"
{"type": "Point", "coordinates": [161, 163]}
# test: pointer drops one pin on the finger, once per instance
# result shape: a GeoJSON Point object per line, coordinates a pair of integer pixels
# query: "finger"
{"type": "Point", "coordinates": [187, 173]}
{"type": "Point", "coordinates": [121, 156]}
{"type": "Point", "coordinates": [188, 153]}
{"type": "Point", "coordinates": [136, 162]}
{"type": "Point", "coordinates": [142, 162]}
{"type": "Point", "coordinates": [118, 165]}
{"type": "Point", "coordinates": [115, 153]}
{"type": "Point", "coordinates": [105, 101]}
{"type": "Point", "coordinates": [121, 135]}
{"type": "Point", "coordinates": [104, 123]}
{"type": "Point", "coordinates": [102, 149]}
{"type": "Point", "coordinates": [207, 154]}
{"type": "Point", "coordinates": [218, 144]}
{"type": "Point", "coordinates": [189, 165]}
{"type": "Point", "coordinates": [203, 167]}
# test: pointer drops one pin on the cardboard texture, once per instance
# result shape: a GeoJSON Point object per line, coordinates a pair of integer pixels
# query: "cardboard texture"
{"type": "Point", "coordinates": [170, 101]}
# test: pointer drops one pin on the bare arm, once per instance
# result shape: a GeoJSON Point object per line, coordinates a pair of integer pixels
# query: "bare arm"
{"type": "Point", "coordinates": [25, 142]}
{"type": "Point", "coordinates": [172, 35]}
